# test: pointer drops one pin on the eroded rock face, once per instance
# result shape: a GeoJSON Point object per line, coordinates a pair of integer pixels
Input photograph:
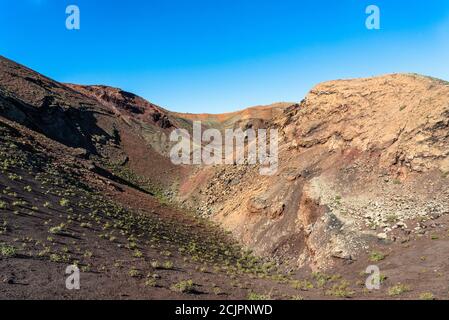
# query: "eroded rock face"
{"type": "Point", "coordinates": [357, 157]}
{"type": "Point", "coordinates": [162, 120]}
{"type": "Point", "coordinates": [109, 123]}
{"type": "Point", "coordinates": [391, 114]}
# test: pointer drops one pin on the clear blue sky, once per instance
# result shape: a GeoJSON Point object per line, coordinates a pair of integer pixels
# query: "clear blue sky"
{"type": "Point", "coordinates": [222, 55]}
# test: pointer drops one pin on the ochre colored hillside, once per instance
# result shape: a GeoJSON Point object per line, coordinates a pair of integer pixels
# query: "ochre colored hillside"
{"type": "Point", "coordinates": [86, 178]}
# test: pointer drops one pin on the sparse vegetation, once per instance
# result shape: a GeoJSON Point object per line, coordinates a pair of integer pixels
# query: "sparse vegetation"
{"type": "Point", "coordinates": [7, 251]}
{"type": "Point", "coordinates": [323, 279]}
{"type": "Point", "coordinates": [398, 289]}
{"type": "Point", "coordinates": [257, 296]}
{"type": "Point", "coordinates": [340, 290]}
{"type": "Point", "coordinates": [426, 296]}
{"type": "Point", "coordinates": [64, 202]}
{"type": "Point", "coordinates": [303, 285]}
{"type": "Point", "coordinates": [168, 265]}
{"type": "Point", "coordinates": [376, 256]}
{"type": "Point", "coordinates": [137, 254]}
{"type": "Point", "coordinates": [151, 282]}
{"type": "Point", "coordinates": [3, 205]}
{"type": "Point", "coordinates": [57, 229]}
{"type": "Point", "coordinates": [185, 286]}
{"type": "Point", "coordinates": [133, 272]}
{"type": "Point", "coordinates": [54, 257]}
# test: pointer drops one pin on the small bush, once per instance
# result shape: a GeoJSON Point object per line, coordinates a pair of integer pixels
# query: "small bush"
{"type": "Point", "coordinates": [7, 251]}
{"type": "Point", "coordinates": [303, 285]}
{"type": "Point", "coordinates": [398, 290]}
{"type": "Point", "coordinates": [64, 202]}
{"type": "Point", "coordinates": [57, 230]}
{"type": "Point", "coordinates": [340, 290]}
{"type": "Point", "coordinates": [3, 205]}
{"type": "Point", "coordinates": [134, 272]}
{"type": "Point", "coordinates": [150, 283]}
{"type": "Point", "coordinates": [185, 286]}
{"type": "Point", "coordinates": [256, 296]}
{"type": "Point", "coordinates": [138, 254]}
{"type": "Point", "coordinates": [322, 279]}
{"type": "Point", "coordinates": [426, 296]}
{"type": "Point", "coordinates": [376, 256]}
{"type": "Point", "coordinates": [55, 258]}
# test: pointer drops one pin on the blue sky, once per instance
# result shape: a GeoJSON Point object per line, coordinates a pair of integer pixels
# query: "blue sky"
{"type": "Point", "coordinates": [222, 55]}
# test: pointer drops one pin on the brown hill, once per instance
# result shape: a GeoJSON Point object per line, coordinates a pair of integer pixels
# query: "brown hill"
{"type": "Point", "coordinates": [363, 176]}
{"type": "Point", "coordinates": [359, 159]}
{"type": "Point", "coordinates": [71, 194]}
{"type": "Point", "coordinates": [113, 127]}
{"type": "Point", "coordinates": [254, 116]}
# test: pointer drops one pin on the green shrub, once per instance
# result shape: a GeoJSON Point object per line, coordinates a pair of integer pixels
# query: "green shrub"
{"type": "Point", "coordinates": [426, 296]}
{"type": "Point", "coordinates": [340, 290]}
{"type": "Point", "coordinates": [185, 286]}
{"type": "Point", "coordinates": [55, 258]}
{"type": "Point", "coordinates": [376, 256]}
{"type": "Point", "coordinates": [150, 283]}
{"type": "Point", "coordinates": [7, 251]}
{"type": "Point", "coordinates": [3, 205]}
{"type": "Point", "coordinates": [58, 229]}
{"type": "Point", "coordinates": [133, 272]}
{"type": "Point", "coordinates": [64, 202]}
{"type": "Point", "coordinates": [138, 254]}
{"type": "Point", "coordinates": [398, 290]}
{"type": "Point", "coordinates": [257, 296]}
{"type": "Point", "coordinates": [303, 285]}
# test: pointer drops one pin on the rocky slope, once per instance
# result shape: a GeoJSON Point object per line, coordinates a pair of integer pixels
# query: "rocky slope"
{"type": "Point", "coordinates": [114, 128]}
{"type": "Point", "coordinates": [65, 200]}
{"type": "Point", "coordinates": [359, 158]}
{"type": "Point", "coordinates": [363, 176]}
